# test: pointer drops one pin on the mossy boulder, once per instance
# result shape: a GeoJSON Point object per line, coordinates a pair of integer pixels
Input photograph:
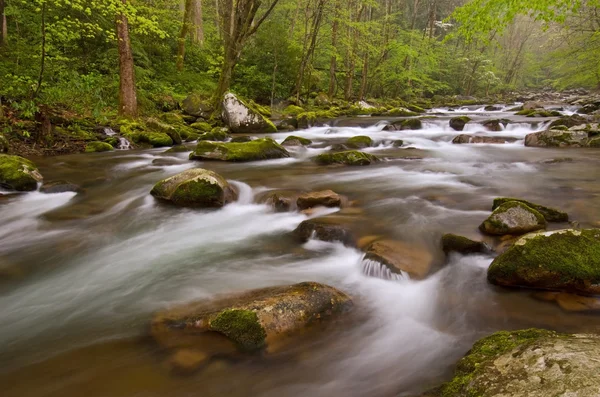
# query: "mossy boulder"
{"type": "Point", "coordinates": [401, 257]}
{"type": "Point", "coordinates": [324, 198]}
{"type": "Point", "coordinates": [172, 118]}
{"type": "Point", "coordinates": [241, 139]}
{"type": "Point", "coordinates": [18, 173]}
{"type": "Point", "coordinates": [559, 138]}
{"type": "Point", "coordinates": [408, 124]}
{"type": "Point", "coordinates": [533, 363]}
{"type": "Point", "coordinates": [569, 121]}
{"type": "Point", "coordinates": [253, 321]}
{"type": "Point", "coordinates": [550, 214]}
{"type": "Point", "coordinates": [458, 123]}
{"type": "Point", "coordinates": [462, 245]}
{"type": "Point", "coordinates": [197, 106]}
{"type": "Point", "coordinates": [352, 158]}
{"type": "Point", "coordinates": [258, 149]}
{"type": "Point", "coordinates": [217, 134]}
{"type": "Point", "coordinates": [513, 217]}
{"type": "Point", "coordinates": [293, 140]}
{"type": "Point", "coordinates": [314, 119]}
{"type": "Point", "coordinates": [359, 142]}
{"type": "Point", "coordinates": [97, 146]}
{"type": "Point", "coordinates": [465, 139]}
{"type": "Point", "coordinates": [244, 117]}
{"type": "Point", "coordinates": [401, 112]}
{"type": "Point", "coordinates": [202, 126]}
{"type": "Point", "coordinates": [293, 110]}
{"type": "Point", "coordinates": [158, 126]}
{"type": "Point", "coordinates": [196, 187]}
{"type": "Point", "coordinates": [565, 260]}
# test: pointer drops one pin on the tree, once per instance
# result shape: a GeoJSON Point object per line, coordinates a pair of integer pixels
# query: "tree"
{"type": "Point", "coordinates": [127, 89]}
{"type": "Point", "coordinates": [3, 27]}
{"type": "Point", "coordinates": [238, 22]}
{"type": "Point", "coordinates": [192, 25]}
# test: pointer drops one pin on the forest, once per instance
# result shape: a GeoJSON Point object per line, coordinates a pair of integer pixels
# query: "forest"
{"type": "Point", "coordinates": [99, 58]}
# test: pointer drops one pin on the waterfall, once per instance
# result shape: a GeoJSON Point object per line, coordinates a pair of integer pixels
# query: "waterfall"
{"type": "Point", "coordinates": [377, 269]}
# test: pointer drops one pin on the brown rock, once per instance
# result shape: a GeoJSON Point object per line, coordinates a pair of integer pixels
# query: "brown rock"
{"type": "Point", "coordinates": [325, 198]}
{"type": "Point", "coordinates": [186, 361]}
{"type": "Point", "coordinates": [400, 257]}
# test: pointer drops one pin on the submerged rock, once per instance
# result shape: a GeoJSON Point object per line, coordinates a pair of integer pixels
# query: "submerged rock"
{"type": "Point", "coordinates": [242, 117]}
{"type": "Point", "coordinates": [401, 257]}
{"type": "Point", "coordinates": [196, 187]}
{"type": "Point", "coordinates": [566, 260]}
{"type": "Point", "coordinates": [258, 149]}
{"type": "Point", "coordinates": [513, 217]}
{"type": "Point", "coordinates": [252, 320]}
{"type": "Point", "coordinates": [296, 141]}
{"type": "Point", "coordinates": [463, 139]}
{"type": "Point", "coordinates": [462, 245]}
{"type": "Point", "coordinates": [532, 363]}
{"type": "Point", "coordinates": [351, 157]}
{"type": "Point", "coordinates": [59, 187]}
{"type": "Point", "coordinates": [279, 200]}
{"type": "Point", "coordinates": [359, 142]}
{"type": "Point", "coordinates": [18, 173]}
{"type": "Point", "coordinates": [550, 214]}
{"type": "Point", "coordinates": [570, 302]}
{"type": "Point", "coordinates": [328, 228]}
{"type": "Point", "coordinates": [325, 198]}
{"type": "Point", "coordinates": [458, 123]}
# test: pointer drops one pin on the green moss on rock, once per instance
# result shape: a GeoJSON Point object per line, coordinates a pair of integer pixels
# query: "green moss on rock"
{"type": "Point", "coordinates": [293, 140]}
{"type": "Point", "coordinates": [401, 112]}
{"type": "Point", "coordinates": [242, 327]}
{"type": "Point", "coordinates": [513, 217]}
{"type": "Point", "coordinates": [550, 214]}
{"type": "Point", "coordinates": [458, 123]}
{"type": "Point", "coordinates": [258, 149]}
{"type": "Point", "coordinates": [18, 173]}
{"type": "Point", "coordinates": [98, 146]}
{"type": "Point", "coordinates": [567, 260]}
{"type": "Point", "coordinates": [202, 126]}
{"type": "Point", "coordinates": [463, 245]}
{"type": "Point", "coordinates": [359, 142]}
{"type": "Point", "coordinates": [293, 110]}
{"type": "Point", "coordinates": [351, 157]}
{"type": "Point", "coordinates": [217, 134]}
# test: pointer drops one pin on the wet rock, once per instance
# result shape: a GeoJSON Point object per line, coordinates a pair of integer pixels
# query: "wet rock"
{"type": "Point", "coordinates": [463, 245]}
{"type": "Point", "coordinates": [493, 125]}
{"type": "Point", "coordinates": [353, 157]}
{"type": "Point", "coordinates": [550, 214]}
{"type": "Point", "coordinates": [172, 132]}
{"type": "Point", "coordinates": [253, 320]}
{"type": "Point", "coordinates": [401, 112]}
{"type": "Point", "coordinates": [241, 139]}
{"type": "Point", "coordinates": [217, 134]}
{"type": "Point", "coordinates": [398, 143]}
{"type": "Point", "coordinates": [187, 361]}
{"type": "Point", "coordinates": [531, 105]}
{"type": "Point", "coordinates": [287, 124]}
{"type": "Point", "coordinates": [492, 108]}
{"type": "Point", "coordinates": [18, 173]}
{"type": "Point", "coordinates": [359, 142]}
{"type": "Point", "coordinates": [401, 257]}
{"type": "Point", "coordinates": [258, 149]}
{"type": "Point", "coordinates": [568, 121]}
{"type": "Point", "coordinates": [197, 106]}
{"type": "Point", "coordinates": [196, 187]}
{"type": "Point", "coordinates": [178, 149]}
{"type": "Point", "coordinates": [465, 139]}
{"type": "Point", "coordinates": [279, 200]}
{"type": "Point", "coordinates": [565, 260]}
{"type": "Point", "coordinates": [97, 146]}
{"type": "Point", "coordinates": [570, 302]}
{"type": "Point", "coordinates": [533, 363]}
{"type": "Point", "coordinates": [325, 198]}
{"type": "Point", "coordinates": [296, 141]}
{"type": "Point", "coordinates": [513, 217]}
{"type": "Point", "coordinates": [458, 123]}
{"type": "Point", "coordinates": [59, 187]}
{"type": "Point", "coordinates": [245, 118]}
{"type": "Point", "coordinates": [202, 126]}
{"type": "Point", "coordinates": [162, 162]}
{"type": "Point", "coordinates": [560, 138]}
{"type": "Point", "coordinates": [327, 228]}
{"type": "Point", "coordinates": [408, 124]}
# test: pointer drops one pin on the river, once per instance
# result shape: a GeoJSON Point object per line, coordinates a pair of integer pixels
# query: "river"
{"type": "Point", "coordinates": [82, 274]}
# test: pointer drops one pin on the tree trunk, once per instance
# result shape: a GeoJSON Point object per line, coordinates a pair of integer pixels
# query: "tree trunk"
{"type": "Point", "coordinates": [127, 93]}
{"type": "Point", "coordinates": [3, 29]}
{"type": "Point", "coordinates": [224, 82]}
{"type": "Point", "coordinates": [198, 30]}
{"type": "Point", "coordinates": [311, 48]}
{"type": "Point", "coordinates": [43, 54]}
{"type": "Point", "coordinates": [333, 61]}
{"type": "Point", "coordinates": [185, 28]}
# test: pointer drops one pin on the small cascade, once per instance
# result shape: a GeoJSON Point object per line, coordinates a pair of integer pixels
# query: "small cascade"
{"type": "Point", "coordinates": [245, 193]}
{"type": "Point", "coordinates": [377, 269]}
{"type": "Point", "coordinates": [124, 143]}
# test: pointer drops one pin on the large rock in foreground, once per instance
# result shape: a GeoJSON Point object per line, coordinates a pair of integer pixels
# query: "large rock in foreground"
{"type": "Point", "coordinates": [352, 157]}
{"type": "Point", "coordinates": [258, 149]}
{"type": "Point", "coordinates": [242, 118]}
{"type": "Point", "coordinates": [550, 214]}
{"type": "Point", "coordinates": [252, 320]}
{"type": "Point", "coordinates": [195, 188]}
{"type": "Point", "coordinates": [513, 217]}
{"type": "Point", "coordinates": [532, 363]}
{"type": "Point", "coordinates": [566, 260]}
{"type": "Point", "coordinates": [18, 173]}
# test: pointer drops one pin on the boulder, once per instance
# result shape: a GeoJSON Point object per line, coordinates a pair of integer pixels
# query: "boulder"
{"type": "Point", "coordinates": [550, 214]}
{"type": "Point", "coordinates": [565, 260]}
{"type": "Point", "coordinates": [401, 112]}
{"type": "Point", "coordinates": [97, 146]}
{"type": "Point", "coordinates": [568, 121]}
{"type": "Point", "coordinates": [408, 124]}
{"type": "Point", "coordinates": [243, 118]}
{"type": "Point", "coordinates": [241, 139]}
{"type": "Point", "coordinates": [352, 157]}
{"type": "Point", "coordinates": [258, 149]}
{"type": "Point", "coordinates": [464, 139]}
{"type": "Point", "coordinates": [463, 245]}
{"type": "Point", "coordinates": [253, 320]}
{"type": "Point", "coordinates": [217, 134]}
{"type": "Point", "coordinates": [279, 200]}
{"type": "Point", "coordinates": [156, 125]}
{"type": "Point", "coordinates": [295, 141]}
{"type": "Point", "coordinates": [195, 105]}
{"type": "Point", "coordinates": [563, 138]}
{"type": "Point", "coordinates": [532, 363]}
{"type": "Point", "coordinates": [202, 126]}
{"type": "Point", "coordinates": [532, 105]}
{"type": "Point", "coordinates": [327, 228]}
{"type": "Point", "coordinates": [59, 187]}
{"type": "Point", "coordinates": [513, 217]}
{"type": "Point", "coordinates": [493, 125]}
{"type": "Point", "coordinates": [196, 187]}
{"type": "Point", "coordinates": [325, 198]}
{"type": "Point", "coordinates": [492, 108]}
{"type": "Point", "coordinates": [359, 142]}
{"type": "Point", "coordinates": [458, 123]}
{"type": "Point", "coordinates": [18, 173]}
{"type": "Point", "coordinates": [401, 257]}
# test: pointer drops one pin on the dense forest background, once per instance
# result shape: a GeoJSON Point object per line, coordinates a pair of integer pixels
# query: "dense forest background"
{"type": "Point", "coordinates": [69, 52]}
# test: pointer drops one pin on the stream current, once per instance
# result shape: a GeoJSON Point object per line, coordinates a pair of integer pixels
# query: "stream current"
{"type": "Point", "coordinates": [82, 274]}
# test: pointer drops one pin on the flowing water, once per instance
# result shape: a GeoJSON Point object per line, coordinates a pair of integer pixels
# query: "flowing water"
{"type": "Point", "coordinates": [82, 274]}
